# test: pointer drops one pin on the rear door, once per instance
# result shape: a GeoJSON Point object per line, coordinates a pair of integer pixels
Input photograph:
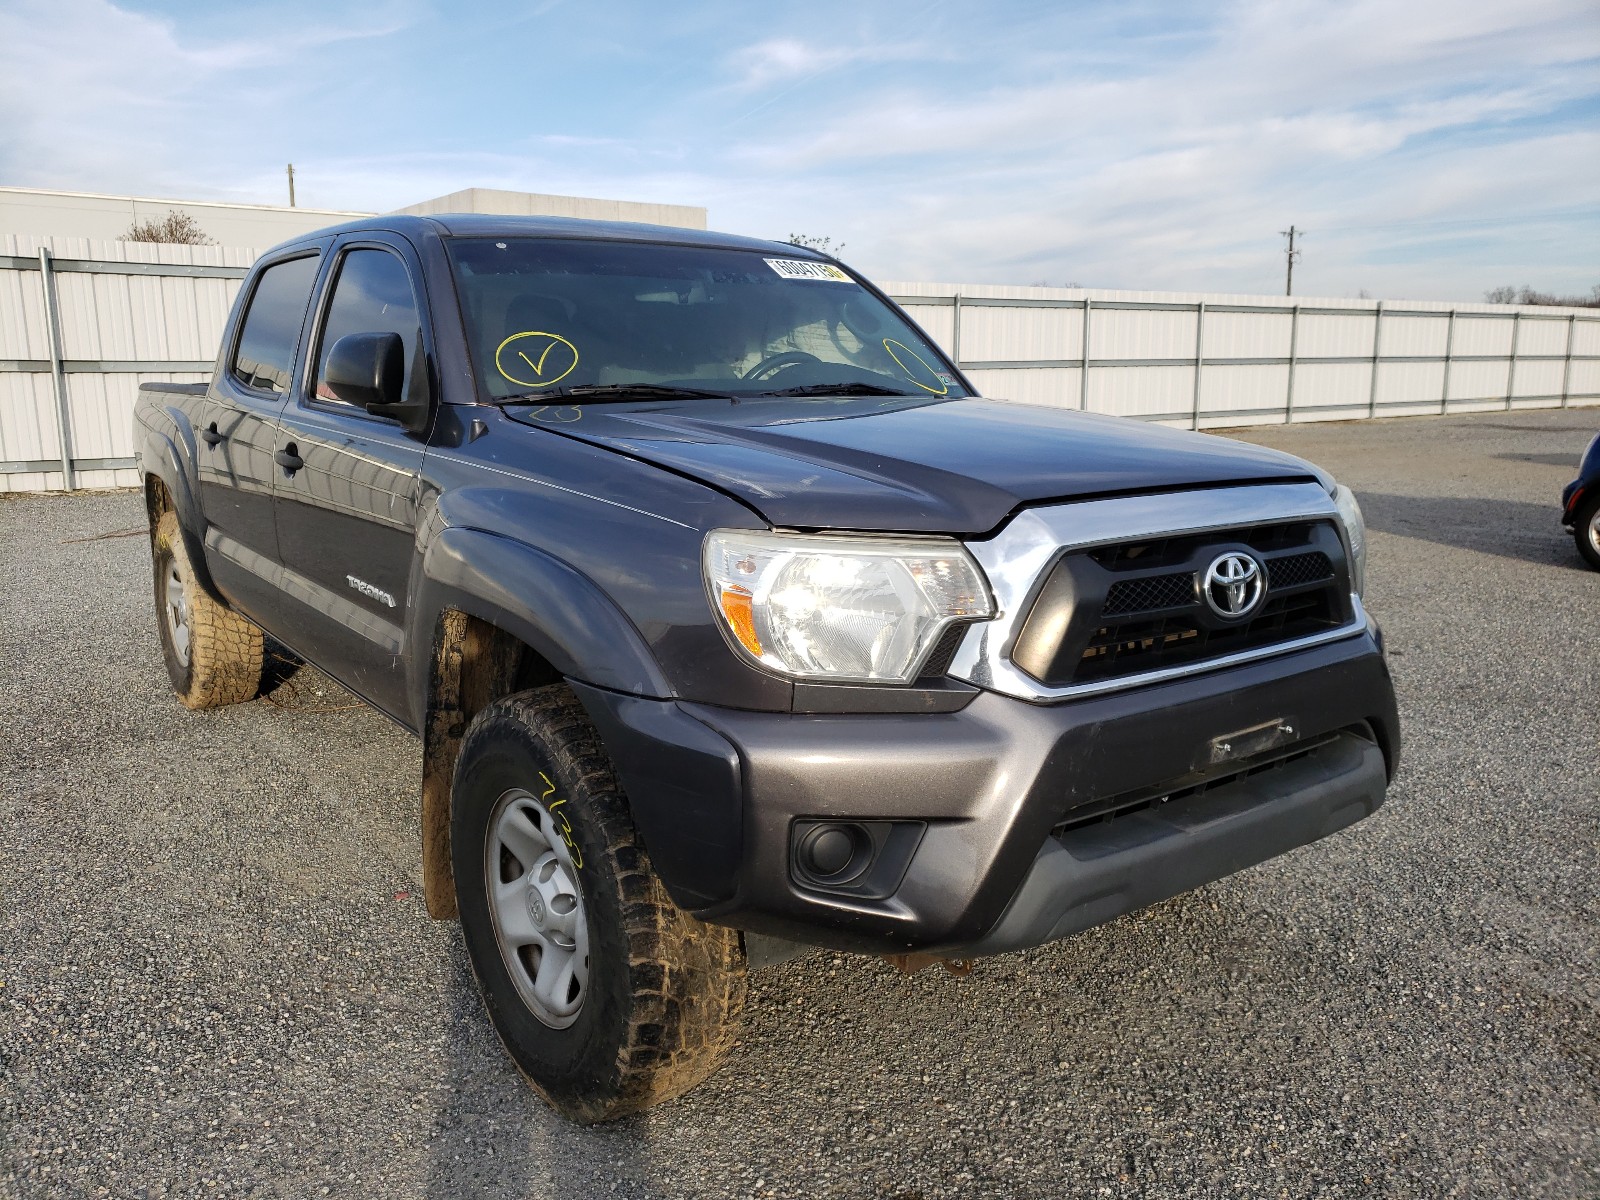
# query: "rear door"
{"type": "Point", "coordinates": [238, 425]}
{"type": "Point", "coordinates": [347, 513]}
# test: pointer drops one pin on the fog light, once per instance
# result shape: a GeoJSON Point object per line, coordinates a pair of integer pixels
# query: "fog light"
{"type": "Point", "coordinates": [833, 853]}
{"type": "Point", "coordinates": [865, 860]}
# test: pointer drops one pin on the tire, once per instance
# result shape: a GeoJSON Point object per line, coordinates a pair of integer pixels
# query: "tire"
{"type": "Point", "coordinates": [214, 656]}
{"type": "Point", "coordinates": [1586, 530]}
{"type": "Point", "coordinates": [607, 996]}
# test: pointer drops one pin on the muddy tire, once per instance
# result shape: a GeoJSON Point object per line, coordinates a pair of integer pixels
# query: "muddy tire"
{"type": "Point", "coordinates": [213, 655]}
{"type": "Point", "coordinates": [607, 996]}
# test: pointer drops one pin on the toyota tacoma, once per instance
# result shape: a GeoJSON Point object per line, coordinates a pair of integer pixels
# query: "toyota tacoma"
{"type": "Point", "coordinates": [734, 622]}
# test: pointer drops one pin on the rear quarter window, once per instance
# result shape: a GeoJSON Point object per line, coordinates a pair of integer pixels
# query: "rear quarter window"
{"type": "Point", "coordinates": [264, 356]}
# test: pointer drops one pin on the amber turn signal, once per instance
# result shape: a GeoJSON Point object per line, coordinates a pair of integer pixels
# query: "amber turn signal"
{"type": "Point", "coordinates": [741, 619]}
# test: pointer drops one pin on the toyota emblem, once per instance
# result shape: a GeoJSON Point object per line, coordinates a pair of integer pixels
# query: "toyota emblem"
{"type": "Point", "coordinates": [1234, 585]}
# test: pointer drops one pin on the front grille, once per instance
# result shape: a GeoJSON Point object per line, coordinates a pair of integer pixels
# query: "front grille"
{"type": "Point", "coordinates": [1125, 609]}
{"type": "Point", "coordinates": [1150, 593]}
{"type": "Point", "coordinates": [1297, 569]}
{"type": "Point", "coordinates": [1127, 647]}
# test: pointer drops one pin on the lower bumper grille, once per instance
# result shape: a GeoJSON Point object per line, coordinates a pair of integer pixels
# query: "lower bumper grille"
{"type": "Point", "coordinates": [1098, 811]}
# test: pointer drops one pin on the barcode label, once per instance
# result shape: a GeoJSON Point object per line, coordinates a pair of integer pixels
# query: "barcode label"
{"type": "Point", "coordinates": [798, 268]}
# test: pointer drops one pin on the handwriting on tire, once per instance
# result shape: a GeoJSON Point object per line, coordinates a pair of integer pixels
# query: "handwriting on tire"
{"type": "Point", "coordinates": [563, 826]}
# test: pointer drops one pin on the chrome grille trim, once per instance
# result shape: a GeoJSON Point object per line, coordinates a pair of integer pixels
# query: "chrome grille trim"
{"type": "Point", "coordinates": [1018, 558]}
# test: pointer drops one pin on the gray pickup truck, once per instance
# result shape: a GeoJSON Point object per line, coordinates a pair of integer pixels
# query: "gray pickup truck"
{"type": "Point", "coordinates": [733, 622]}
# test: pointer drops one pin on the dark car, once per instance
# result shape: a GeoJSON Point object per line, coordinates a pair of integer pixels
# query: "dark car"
{"type": "Point", "coordinates": [1580, 505]}
{"type": "Point", "coordinates": [734, 622]}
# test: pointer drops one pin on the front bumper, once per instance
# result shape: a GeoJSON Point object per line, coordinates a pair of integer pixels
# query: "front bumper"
{"type": "Point", "coordinates": [717, 794]}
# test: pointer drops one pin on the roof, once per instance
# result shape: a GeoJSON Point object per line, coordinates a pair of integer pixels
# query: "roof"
{"type": "Point", "coordinates": [494, 225]}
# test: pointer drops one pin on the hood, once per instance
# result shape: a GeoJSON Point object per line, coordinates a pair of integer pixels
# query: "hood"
{"type": "Point", "coordinates": [908, 465]}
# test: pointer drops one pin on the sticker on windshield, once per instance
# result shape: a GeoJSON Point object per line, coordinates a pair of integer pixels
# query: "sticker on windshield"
{"type": "Point", "coordinates": [800, 268]}
{"type": "Point", "coordinates": [536, 359]}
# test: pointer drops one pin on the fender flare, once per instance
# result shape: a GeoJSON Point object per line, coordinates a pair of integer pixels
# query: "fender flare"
{"type": "Point", "coordinates": [553, 609]}
{"type": "Point", "coordinates": [525, 594]}
{"type": "Point", "coordinates": [159, 455]}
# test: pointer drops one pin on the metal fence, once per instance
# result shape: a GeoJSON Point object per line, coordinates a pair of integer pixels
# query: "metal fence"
{"type": "Point", "coordinates": [1216, 360]}
{"type": "Point", "coordinates": [83, 323]}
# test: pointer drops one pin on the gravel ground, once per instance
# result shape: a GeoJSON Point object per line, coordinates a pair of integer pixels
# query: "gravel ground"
{"type": "Point", "coordinates": [217, 977]}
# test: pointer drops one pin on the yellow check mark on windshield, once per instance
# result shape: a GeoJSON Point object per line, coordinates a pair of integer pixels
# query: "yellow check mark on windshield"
{"type": "Point", "coordinates": [538, 367]}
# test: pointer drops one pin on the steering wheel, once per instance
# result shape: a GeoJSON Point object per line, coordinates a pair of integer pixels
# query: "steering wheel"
{"type": "Point", "coordinates": [774, 363]}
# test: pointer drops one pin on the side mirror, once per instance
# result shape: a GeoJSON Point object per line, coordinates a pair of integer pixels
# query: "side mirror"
{"type": "Point", "coordinates": [369, 370]}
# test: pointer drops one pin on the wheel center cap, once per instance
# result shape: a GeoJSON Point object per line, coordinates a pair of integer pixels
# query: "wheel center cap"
{"type": "Point", "coordinates": [536, 908]}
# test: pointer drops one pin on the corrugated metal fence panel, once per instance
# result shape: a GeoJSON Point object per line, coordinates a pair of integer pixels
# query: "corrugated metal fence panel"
{"type": "Point", "coordinates": [1325, 335]}
{"type": "Point", "coordinates": [1152, 355]}
{"type": "Point", "coordinates": [1132, 333]}
{"type": "Point", "coordinates": [1350, 358]}
{"type": "Point", "coordinates": [1414, 336]}
{"type": "Point", "coordinates": [1245, 389]}
{"type": "Point", "coordinates": [1482, 335]}
{"type": "Point", "coordinates": [1247, 335]}
{"type": "Point", "coordinates": [1414, 385]}
{"type": "Point", "coordinates": [1057, 387]}
{"type": "Point", "coordinates": [1476, 386]}
{"type": "Point", "coordinates": [1017, 334]}
{"type": "Point", "coordinates": [1141, 391]}
{"type": "Point", "coordinates": [1585, 380]}
{"type": "Point", "coordinates": [27, 428]}
{"type": "Point", "coordinates": [1538, 336]}
{"type": "Point", "coordinates": [109, 320]}
{"type": "Point", "coordinates": [22, 325]}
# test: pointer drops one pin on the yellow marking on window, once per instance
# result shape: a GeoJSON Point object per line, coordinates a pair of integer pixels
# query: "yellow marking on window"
{"type": "Point", "coordinates": [889, 344]}
{"type": "Point", "coordinates": [502, 360]}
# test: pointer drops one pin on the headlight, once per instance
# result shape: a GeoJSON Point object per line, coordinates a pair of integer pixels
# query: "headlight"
{"type": "Point", "coordinates": [1355, 531]}
{"type": "Point", "coordinates": [845, 609]}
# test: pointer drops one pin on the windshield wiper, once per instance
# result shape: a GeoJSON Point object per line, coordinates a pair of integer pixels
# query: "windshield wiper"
{"type": "Point", "coordinates": [837, 389]}
{"type": "Point", "coordinates": [612, 393]}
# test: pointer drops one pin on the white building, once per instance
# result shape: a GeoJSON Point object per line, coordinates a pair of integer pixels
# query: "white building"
{"type": "Point", "coordinates": [530, 204]}
{"type": "Point", "coordinates": [36, 212]}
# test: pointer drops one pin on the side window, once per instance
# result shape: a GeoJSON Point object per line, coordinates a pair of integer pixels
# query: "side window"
{"type": "Point", "coordinates": [264, 358]}
{"type": "Point", "coordinates": [372, 295]}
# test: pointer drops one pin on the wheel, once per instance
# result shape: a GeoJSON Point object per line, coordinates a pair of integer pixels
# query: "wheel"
{"type": "Point", "coordinates": [774, 363]}
{"type": "Point", "coordinates": [214, 656]}
{"type": "Point", "coordinates": [1586, 530]}
{"type": "Point", "coordinates": [607, 996]}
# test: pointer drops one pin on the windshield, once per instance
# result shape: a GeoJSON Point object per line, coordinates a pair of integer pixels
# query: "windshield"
{"type": "Point", "coordinates": [545, 316]}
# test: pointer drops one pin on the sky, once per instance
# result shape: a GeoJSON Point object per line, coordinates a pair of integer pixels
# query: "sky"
{"type": "Point", "coordinates": [1430, 149]}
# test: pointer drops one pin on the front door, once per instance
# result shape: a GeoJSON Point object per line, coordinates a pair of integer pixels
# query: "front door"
{"type": "Point", "coordinates": [347, 514]}
{"type": "Point", "coordinates": [237, 436]}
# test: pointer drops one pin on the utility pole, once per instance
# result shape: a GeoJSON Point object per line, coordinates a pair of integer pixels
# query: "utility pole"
{"type": "Point", "coordinates": [1288, 282]}
{"type": "Point", "coordinates": [291, 185]}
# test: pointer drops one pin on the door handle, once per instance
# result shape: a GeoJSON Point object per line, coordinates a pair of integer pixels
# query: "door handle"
{"type": "Point", "coordinates": [289, 458]}
{"type": "Point", "coordinates": [210, 436]}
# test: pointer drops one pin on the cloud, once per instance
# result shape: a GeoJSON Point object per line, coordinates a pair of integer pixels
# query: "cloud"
{"type": "Point", "coordinates": [1142, 143]}
{"type": "Point", "coordinates": [97, 96]}
{"type": "Point", "coordinates": [1148, 172]}
{"type": "Point", "coordinates": [784, 59]}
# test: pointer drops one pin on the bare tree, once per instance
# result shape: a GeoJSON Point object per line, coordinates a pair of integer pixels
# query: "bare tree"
{"type": "Point", "coordinates": [1526, 295]}
{"type": "Point", "coordinates": [177, 228]}
{"type": "Point", "coordinates": [824, 244]}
